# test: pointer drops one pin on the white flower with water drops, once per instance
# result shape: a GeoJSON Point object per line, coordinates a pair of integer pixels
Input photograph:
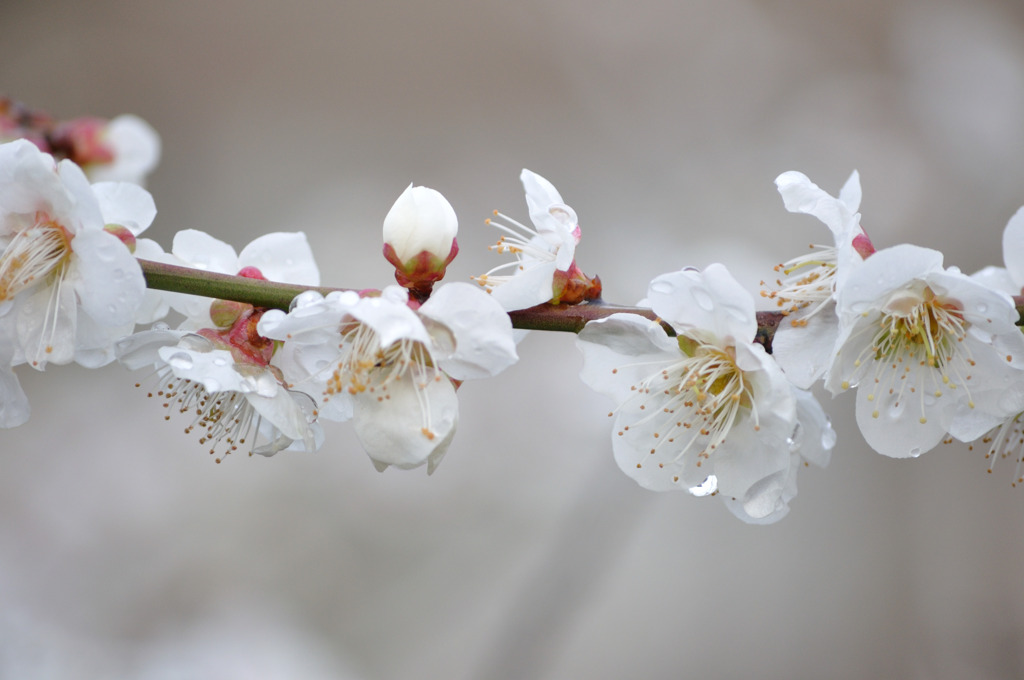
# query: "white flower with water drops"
{"type": "Point", "coordinates": [390, 369]}
{"type": "Point", "coordinates": [706, 410]}
{"type": "Point", "coordinates": [544, 269]}
{"type": "Point", "coordinates": [235, 401]}
{"type": "Point", "coordinates": [804, 341]}
{"type": "Point", "coordinates": [68, 285]}
{"type": "Point", "coordinates": [929, 350]}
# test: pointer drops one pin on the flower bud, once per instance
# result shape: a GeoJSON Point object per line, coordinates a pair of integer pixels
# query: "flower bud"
{"type": "Point", "coordinates": [419, 238]}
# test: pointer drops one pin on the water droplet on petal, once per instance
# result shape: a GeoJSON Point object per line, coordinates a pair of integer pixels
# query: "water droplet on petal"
{"type": "Point", "coordinates": [705, 488]}
{"type": "Point", "coordinates": [795, 439]}
{"type": "Point", "coordinates": [703, 300]}
{"type": "Point", "coordinates": [662, 287]}
{"type": "Point", "coordinates": [211, 384]}
{"type": "Point", "coordinates": [180, 360]}
{"type": "Point", "coordinates": [220, 361]}
{"type": "Point", "coordinates": [828, 438]}
{"type": "Point", "coordinates": [915, 452]}
{"type": "Point", "coordinates": [982, 308]}
{"type": "Point", "coordinates": [159, 326]}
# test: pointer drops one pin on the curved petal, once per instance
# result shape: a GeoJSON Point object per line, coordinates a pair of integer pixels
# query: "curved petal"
{"type": "Point", "coordinates": [540, 193]}
{"type": "Point", "coordinates": [1013, 247]}
{"type": "Point", "coordinates": [200, 250]}
{"type": "Point", "coordinates": [623, 350]}
{"type": "Point", "coordinates": [891, 423]}
{"type": "Point", "coordinates": [886, 271]}
{"type": "Point", "coordinates": [126, 204]}
{"type": "Point", "coordinates": [801, 195]}
{"type": "Point", "coordinates": [806, 352]}
{"type": "Point", "coordinates": [136, 148]}
{"type": "Point", "coordinates": [406, 430]}
{"type": "Point", "coordinates": [530, 286]}
{"type": "Point", "coordinates": [709, 302]}
{"type": "Point", "coordinates": [107, 278]}
{"type": "Point", "coordinates": [390, 317]}
{"type": "Point", "coordinates": [484, 345]}
{"type": "Point", "coordinates": [850, 194]}
{"type": "Point", "coordinates": [14, 406]}
{"type": "Point", "coordinates": [46, 324]}
{"type": "Point", "coordinates": [282, 256]}
{"type": "Point", "coordinates": [284, 413]}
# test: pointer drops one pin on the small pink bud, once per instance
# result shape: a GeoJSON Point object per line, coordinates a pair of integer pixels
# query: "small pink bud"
{"type": "Point", "coordinates": [123, 233]}
{"type": "Point", "coordinates": [252, 273]}
{"type": "Point", "coordinates": [225, 313]}
{"type": "Point", "coordinates": [84, 141]}
{"type": "Point", "coordinates": [862, 244]}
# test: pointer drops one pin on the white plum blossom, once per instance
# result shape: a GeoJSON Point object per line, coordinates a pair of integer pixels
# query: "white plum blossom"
{"type": "Point", "coordinates": [124, 149]}
{"type": "Point", "coordinates": [390, 369]}
{"type": "Point", "coordinates": [541, 252]}
{"type": "Point", "coordinates": [69, 285]}
{"type": "Point", "coordinates": [929, 350]}
{"type": "Point", "coordinates": [236, 402]}
{"type": "Point", "coordinates": [706, 410]}
{"type": "Point", "coordinates": [1005, 438]}
{"type": "Point", "coordinates": [804, 342]}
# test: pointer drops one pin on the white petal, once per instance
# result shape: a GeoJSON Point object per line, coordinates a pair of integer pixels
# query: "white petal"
{"type": "Point", "coordinates": [390, 317]}
{"type": "Point", "coordinates": [622, 350]}
{"type": "Point", "coordinates": [888, 270]}
{"type": "Point", "coordinates": [749, 457]}
{"type": "Point", "coordinates": [540, 193]}
{"type": "Point", "coordinates": [997, 278]}
{"type": "Point", "coordinates": [484, 345]}
{"type": "Point", "coordinates": [813, 436]}
{"type": "Point", "coordinates": [126, 204]}
{"type": "Point", "coordinates": [107, 278]}
{"type": "Point", "coordinates": [850, 194]}
{"type": "Point", "coordinates": [806, 352]}
{"type": "Point", "coordinates": [83, 212]}
{"type": "Point", "coordinates": [199, 250]}
{"type": "Point", "coordinates": [711, 302]}
{"type": "Point", "coordinates": [46, 323]}
{"type": "Point", "coordinates": [392, 431]}
{"type": "Point", "coordinates": [14, 406]}
{"type": "Point", "coordinates": [282, 256]}
{"type": "Point", "coordinates": [891, 423]}
{"type": "Point", "coordinates": [283, 412]}
{"type": "Point", "coordinates": [142, 349]}
{"type": "Point", "coordinates": [801, 195]}
{"type": "Point", "coordinates": [1013, 247]}
{"type": "Point", "coordinates": [529, 287]}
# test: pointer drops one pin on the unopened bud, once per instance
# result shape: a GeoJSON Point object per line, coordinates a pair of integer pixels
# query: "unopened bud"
{"type": "Point", "coordinates": [419, 238]}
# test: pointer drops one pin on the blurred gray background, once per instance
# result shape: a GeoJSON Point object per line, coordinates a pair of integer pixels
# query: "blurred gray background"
{"type": "Point", "coordinates": [125, 552]}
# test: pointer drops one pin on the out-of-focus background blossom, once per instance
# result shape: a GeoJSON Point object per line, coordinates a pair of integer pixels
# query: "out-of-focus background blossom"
{"type": "Point", "coordinates": [126, 552]}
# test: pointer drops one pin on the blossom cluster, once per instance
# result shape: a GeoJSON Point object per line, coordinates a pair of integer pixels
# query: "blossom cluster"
{"type": "Point", "coordinates": [707, 398]}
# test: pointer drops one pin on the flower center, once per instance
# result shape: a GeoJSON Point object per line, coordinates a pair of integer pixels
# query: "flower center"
{"type": "Point", "coordinates": [922, 328]}
{"type": "Point", "coordinates": [32, 254]}
{"type": "Point", "coordinates": [366, 369]}
{"type": "Point", "coordinates": [917, 348]}
{"type": "Point", "coordinates": [810, 282]}
{"type": "Point", "coordinates": [698, 398]}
